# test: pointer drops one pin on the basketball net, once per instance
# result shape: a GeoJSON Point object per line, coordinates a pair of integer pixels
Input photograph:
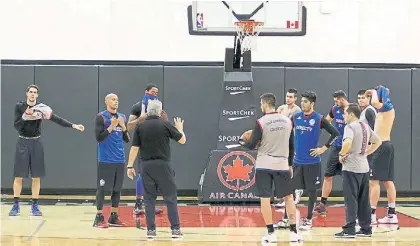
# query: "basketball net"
{"type": "Point", "coordinates": [248, 32]}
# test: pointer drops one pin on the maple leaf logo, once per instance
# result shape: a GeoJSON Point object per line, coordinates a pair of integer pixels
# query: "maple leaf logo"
{"type": "Point", "coordinates": [237, 171]}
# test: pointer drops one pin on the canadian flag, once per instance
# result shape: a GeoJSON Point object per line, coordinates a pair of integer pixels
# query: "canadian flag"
{"type": "Point", "coordinates": [292, 25]}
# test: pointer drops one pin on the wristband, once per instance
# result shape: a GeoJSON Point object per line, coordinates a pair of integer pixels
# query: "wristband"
{"type": "Point", "coordinates": [130, 167]}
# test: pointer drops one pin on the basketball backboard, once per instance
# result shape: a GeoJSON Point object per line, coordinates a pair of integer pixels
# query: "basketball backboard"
{"type": "Point", "coordinates": [217, 18]}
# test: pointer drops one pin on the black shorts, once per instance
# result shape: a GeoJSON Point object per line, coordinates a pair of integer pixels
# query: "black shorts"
{"type": "Point", "coordinates": [158, 178]}
{"type": "Point", "coordinates": [29, 158]}
{"type": "Point", "coordinates": [383, 162]}
{"type": "Point", "coordinates": [307, 176]}
{"type": "Point", "coordinates": [334, 167]}
{"type": "Point", "coordinates": [282, 183]}
{"type": "Point", "coordinates": [111, 176]}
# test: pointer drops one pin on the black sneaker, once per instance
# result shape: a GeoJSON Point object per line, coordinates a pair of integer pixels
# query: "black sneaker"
{"type": "Point", "coordinates": [100, 221]}
{"type": "Point", "coordinates": [344, 234]}
{"type": "Point", "coordinates": [364, 233]}
{"type": "Point", "coordinates": [177, 233]}
{"type": "Point", "coordinates": [151, 234]}
{"type": "Point", "coordinates": [115, 221]}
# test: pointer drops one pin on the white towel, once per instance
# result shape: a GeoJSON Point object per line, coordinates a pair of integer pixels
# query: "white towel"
{"type": "Point", "coordinates": [40, 112]}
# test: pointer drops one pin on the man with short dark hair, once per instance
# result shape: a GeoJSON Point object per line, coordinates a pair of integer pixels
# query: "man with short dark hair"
{"type": "Point", "coordinates": [138, 115]}
{"type": "Point", "coordinates": [368, 114]}
{"type": "Point", "coordinates": [29, 156]}
{"type": "Point", "coordinates": [353, 156]}
{"type": "Point", "coordinates": [273, 132]}
{"type": "Point", "coordinates": [336, 115]}
{"type": "Point", "coordinates": [156, 168]}
{"type": "Point", "coordinates": [111, 134]}
{"type": "Point", "coordinates": [307, 127]}
{"type": "Point", "coordinates": [289, 109]}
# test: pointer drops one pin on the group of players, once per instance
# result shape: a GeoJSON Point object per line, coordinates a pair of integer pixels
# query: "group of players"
{"type": "Point", "coordinates": [111, 131]}
{"type": "Point", "coordinates": [300, 162]}
{"type": "Point", "coordinates": [360, 150]}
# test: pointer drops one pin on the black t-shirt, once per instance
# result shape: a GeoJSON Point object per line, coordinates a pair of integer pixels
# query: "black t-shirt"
{"type": "Point", "coordinates": [152, 137]}
{"type": "Point", "coordinates": [137, 109]}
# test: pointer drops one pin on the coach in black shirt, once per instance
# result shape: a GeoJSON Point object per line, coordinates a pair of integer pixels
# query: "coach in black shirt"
{"type": "Point", "coordinates": [152, 138]}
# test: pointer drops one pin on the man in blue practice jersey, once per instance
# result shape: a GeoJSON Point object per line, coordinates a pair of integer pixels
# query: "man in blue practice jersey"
{"type": "Point", "coordinates": [111, 133]}
{"type": "Point", "coordinates": [137, 116]}
{"type": "Point", "coordinates": [334, 166]}
{"type": "Point", "coordinates": [307, 127]}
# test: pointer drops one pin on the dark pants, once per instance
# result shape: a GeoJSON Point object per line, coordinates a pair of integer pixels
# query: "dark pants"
{"type": "Point", "coordinates": [29, 158]}
{"type": "Point", "coordinates": [159, 176]}
{"type": "Point", "coordinates": [356, 200]}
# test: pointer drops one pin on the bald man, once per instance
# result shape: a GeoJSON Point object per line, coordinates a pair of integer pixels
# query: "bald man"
{"type": "Point", "coordinates": [111, 133]}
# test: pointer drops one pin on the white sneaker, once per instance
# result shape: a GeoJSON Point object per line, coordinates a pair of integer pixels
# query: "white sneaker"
{"type": "Point", "coordinates": [269, 238]}
{"type": "Point", "coordinates": [282, 224]}
{"type": "Point", "coordinates": [295, 237]}
{"type": "Point", "coordinates": [389, 219]}
{"type": "Point", "coordinates": [298, 195]}
{"type": "Point", "coordinates": [306, 225]}
{"type": "Point", "coordinates": [373, 219]}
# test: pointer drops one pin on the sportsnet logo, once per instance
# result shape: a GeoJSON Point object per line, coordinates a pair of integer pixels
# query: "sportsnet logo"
{"type": "Point", "coordinates": [235, 90]}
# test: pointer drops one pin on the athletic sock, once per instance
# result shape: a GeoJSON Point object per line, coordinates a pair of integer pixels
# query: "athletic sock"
{"type": "Point", "coordinates": [16, 200]}
{"type": "Point", "coordinates": [324, 200]}
{"type": "Point", "coordinates": [270, 228]}
{"type": "Point", "coordinates": [34, 201]}
{"type": "Point", "coordinates": [293, 228]}
{"type": "Point", "coordinates": [373, 210]}
{"type": "Point", "coordinates": [391, 208]}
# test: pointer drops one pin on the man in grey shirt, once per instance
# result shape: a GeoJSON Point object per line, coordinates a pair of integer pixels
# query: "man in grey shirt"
{"type": "Point", "coordinates": [353, 155]}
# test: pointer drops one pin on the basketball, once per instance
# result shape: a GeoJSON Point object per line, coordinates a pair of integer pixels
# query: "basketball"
{"type": "Point", "coordinates": [246, 136]}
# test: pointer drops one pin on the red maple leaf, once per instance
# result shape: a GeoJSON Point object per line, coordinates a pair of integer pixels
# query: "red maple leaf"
{"type": "Point", "coordinates": [238, 171]}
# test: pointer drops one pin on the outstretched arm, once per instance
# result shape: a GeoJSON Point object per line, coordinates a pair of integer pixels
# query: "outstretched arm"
{"type": "Point", "coordinates": [61, 121]}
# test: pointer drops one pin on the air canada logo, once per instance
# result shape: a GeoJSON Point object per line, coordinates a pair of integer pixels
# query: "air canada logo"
{"type": "Point", "coordinates": [236, 170]}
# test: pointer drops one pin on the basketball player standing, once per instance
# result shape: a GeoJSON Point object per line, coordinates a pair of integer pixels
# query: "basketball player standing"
{"type": "Point", "coordinates": [291, 107]}
{"type": "Point", "coordinates": [29, 156]}
{"type": "Point", "coordinates": [307, 127]}
{"type": "Point", "coordinates": [383, 158]}
{"type": "Point", "coordinates": [367, 116]}
{"type": "Point", "coordinates": [137, 116]}
{"type": "Point", "coordinates": [274, 164]}
{"type": "Point", "coordinates": [336, 115]}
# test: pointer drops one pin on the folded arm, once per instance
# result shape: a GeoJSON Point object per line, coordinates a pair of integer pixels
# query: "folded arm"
{"type": "Point", "coordinates": [18, 121]}
{"type": "Point", "coordinates": [100, 132]}
{"type": "Point", "coordinates": [325, 124]}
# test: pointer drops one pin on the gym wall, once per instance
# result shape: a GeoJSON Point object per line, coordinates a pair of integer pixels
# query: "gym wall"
{"type": "Point", "coordinates": [193, 93]}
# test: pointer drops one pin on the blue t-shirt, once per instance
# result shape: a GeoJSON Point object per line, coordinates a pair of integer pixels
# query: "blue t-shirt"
{"type": "Point", "coordinates": [383, 96]}
{"type": "Point", "coordinates": [337, 114]}
{"type": "Point", "coordinates": [307, 130]}
{"type": "Point", "coordinates": [146, 98]}
{"type": "Point", "coordinates": [111, 150]}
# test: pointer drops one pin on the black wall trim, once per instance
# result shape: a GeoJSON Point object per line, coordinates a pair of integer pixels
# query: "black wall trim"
{"type": "Point", "coordinates": [203, 63]}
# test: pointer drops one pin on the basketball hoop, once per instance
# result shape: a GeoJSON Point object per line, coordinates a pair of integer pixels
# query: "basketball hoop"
{"type": "Point", "coordinates": [248, 31]}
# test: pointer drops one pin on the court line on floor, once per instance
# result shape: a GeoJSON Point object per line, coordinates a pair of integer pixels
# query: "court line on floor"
{"type": "Point", "coordinates": [36, 230]}
{"type": "Point", "coordinates": [180, 198]}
